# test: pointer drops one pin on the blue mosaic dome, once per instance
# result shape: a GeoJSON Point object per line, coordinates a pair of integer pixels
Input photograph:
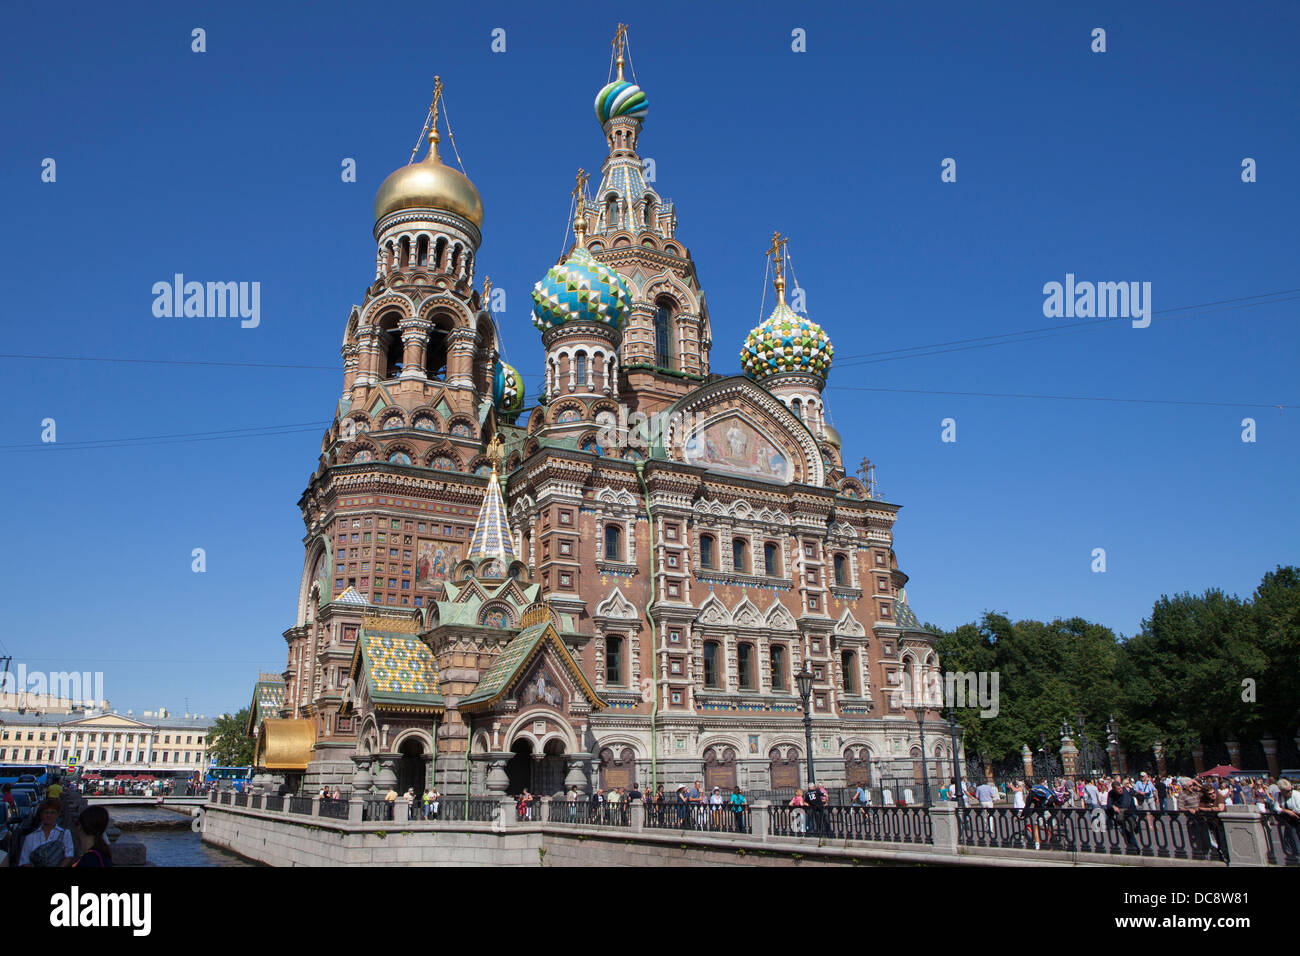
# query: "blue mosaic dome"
{"type": "Point", "coordinates": [580, 289]}
{"type": "Point", "coordinates": [621, 98]}
{"type": "Point", "coordinates": [507, 388]}
{"type": "Point", "coordinates": [786, 342]}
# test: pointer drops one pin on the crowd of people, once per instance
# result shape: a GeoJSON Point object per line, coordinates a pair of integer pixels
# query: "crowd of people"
{"type": "Point", "coordinates": [42, 840]}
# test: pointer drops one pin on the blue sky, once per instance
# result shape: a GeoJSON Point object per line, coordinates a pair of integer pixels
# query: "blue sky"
{"type": "Point", "coordinates": [225, 165]}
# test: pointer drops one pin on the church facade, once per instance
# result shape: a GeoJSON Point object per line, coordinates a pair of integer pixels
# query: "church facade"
{"type": "Point", "coordinates": [617, 584]}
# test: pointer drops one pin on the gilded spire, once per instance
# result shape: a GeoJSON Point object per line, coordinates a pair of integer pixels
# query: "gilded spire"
{"type": "Point", "coordinates": [433, 127]}
{"type": "Point", "coordinates": [620, 40]}
{"type": "Point", "coordinates": [491, 537]}
{"type": "Point", "coordinates": [776, 252]}
{"type": "Point", "coordinates": [579, 215]}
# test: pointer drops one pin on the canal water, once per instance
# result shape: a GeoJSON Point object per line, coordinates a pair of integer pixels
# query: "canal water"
{"type": "Point", "coordinates": [169, 839]}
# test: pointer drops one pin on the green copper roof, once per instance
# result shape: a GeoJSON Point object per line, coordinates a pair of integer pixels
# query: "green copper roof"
{"type": "Point", "coordinates": [509, 666]}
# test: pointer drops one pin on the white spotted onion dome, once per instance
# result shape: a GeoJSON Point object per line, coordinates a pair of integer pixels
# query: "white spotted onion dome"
{"type": "Point", "coordinates": [580, 289]}
{"type": "Point", "coordinates": [786, 342]}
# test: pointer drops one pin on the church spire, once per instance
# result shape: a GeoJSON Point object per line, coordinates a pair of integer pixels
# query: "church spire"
{"type": "Point", "coordinates": [491, 537]}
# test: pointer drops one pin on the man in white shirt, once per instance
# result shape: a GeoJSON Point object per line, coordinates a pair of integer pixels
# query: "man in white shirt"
{"type": "Point", "coordinates": [1091, 798]}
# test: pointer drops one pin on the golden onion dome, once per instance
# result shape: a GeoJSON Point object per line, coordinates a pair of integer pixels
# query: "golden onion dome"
{"type": "Point", "coordinates": [833, 438]}
{"type": "Point", "coordinates": [429, 184]}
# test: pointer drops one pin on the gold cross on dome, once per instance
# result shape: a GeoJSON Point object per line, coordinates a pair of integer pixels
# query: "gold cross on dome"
{"type": "Point", "coordinates": [487, 290]}
{"type": "Point", "coordinates": [495, 451]}
{"type": "Point", "coordinates": [774, 250]}
{"type": "Point", "coordinates": [580, 184]}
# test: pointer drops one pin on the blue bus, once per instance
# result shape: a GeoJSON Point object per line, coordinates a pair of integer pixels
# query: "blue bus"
{"type": "Point", "coordinates": [229, 777]}
{"type": "Point", "coordinates": [30, 773]}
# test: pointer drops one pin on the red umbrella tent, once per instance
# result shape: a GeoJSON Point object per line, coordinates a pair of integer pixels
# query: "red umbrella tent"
{"type": "Point", "coordinates": [1223, 770]}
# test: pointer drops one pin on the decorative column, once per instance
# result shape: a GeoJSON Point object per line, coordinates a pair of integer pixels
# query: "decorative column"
{"type": "Point", "coordinates": [1027, 758]}
{"type": "Point", "coordinates": [361, 778]}
{"type": "Point", "coordinates": [462, 343]}
{"type": "Point", "coordinates": [1069, 757]}
{"type": "Point", "coordinates": [497, 780]}
{"type": "Point", "coordinates": [1234, 752]}
{"type": "Point", "coordinates": [1269, 743]}
{"type": "Point", "coordinates": [577, 773]}
{"type": "Point", "coordinates": [415, 336]}
{"type": "Point", "coordinates": [386, 779]}
{"type": "Point", "coordinates": [1161, 765]}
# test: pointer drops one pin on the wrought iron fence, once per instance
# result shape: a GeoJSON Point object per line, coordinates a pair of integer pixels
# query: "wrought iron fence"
{"type": "Point", "coordinates": [1282, 837]}
{"type": "Point", "coordinates": [300, 805]}
{"type": "Point", "coordinates": [335, 809]}
{"type": "Point", "coordinates": [583, 811]}
{"type": "Point", "coordinates": [1173, 834]}
{"type": "Point", "coordinates": [377, 810]}
{"type": "Point", "coordinates": [473, 810]}
{"type": "Point", "coordinates": [880, 824]}
{"type": "Point", "coordinates": [709, 818]}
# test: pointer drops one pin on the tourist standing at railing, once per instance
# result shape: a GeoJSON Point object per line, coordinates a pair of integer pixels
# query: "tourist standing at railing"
{"type": "Point", "coordinates": [636, 794]}
{"type": "Point", "coordinates": [613, 804]}
{"type": "Point", "coordinates": [1017, 795]}
{"type": "Point", "coordinates": [571, 798]}
{"type": "Point", "coordinates": [738, 809]}
{"type": "Point", "coordinates": [862, 799]}
{"type": "Point", "coordinates": [1121, 807]}
{"type": "Point", "coordinates": [1091, 797]}
{"type": "Point", "coordinates": [597, 804]}
{"type": "Point", "coordinates": [1288, 812]}
{"type": "Point", "coordinates": [683, 807]}
{"type": "Point", "coordinates": [798, 813]}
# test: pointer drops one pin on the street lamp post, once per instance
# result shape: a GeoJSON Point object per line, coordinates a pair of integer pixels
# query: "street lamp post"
{"type": "Point", "coordinates": [805, 680]}
{"type": "Point", "coordinates": [956, 766]}
{"type": "Point", "coordinates": [1112, 737]}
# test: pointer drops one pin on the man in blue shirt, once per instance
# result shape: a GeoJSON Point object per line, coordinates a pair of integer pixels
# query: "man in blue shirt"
{"type": "Point", "coordinates": [1144, 792]}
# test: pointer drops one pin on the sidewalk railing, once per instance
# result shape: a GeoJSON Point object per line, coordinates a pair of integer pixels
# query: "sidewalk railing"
{"type": "Point", "coordinates": [878, 824]}
{"type": "Point", "coordinates": [707, 818]}
{"type": "Point", "coordinates": [1282, 837]}
{"type": "Point", "coordinates": [582, 812]}
{"type": "Point", "coordinates": [1171, 834]}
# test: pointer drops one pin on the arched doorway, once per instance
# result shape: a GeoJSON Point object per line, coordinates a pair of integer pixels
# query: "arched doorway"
{"type": "Point", "coordinates": [519, 768]}
{"type": "Point", "coordinates": [720, 768]}
{"type": "Point", "coordinates": [785, 768]}
{"type": "Point", "coordinates": [550, 771]}
{"type": "Point", "coordinates": [857, 767]}
{"type": "Point", "coordinates": [617, 770]}
{"type": "Point", "coordinates": [411, 766]}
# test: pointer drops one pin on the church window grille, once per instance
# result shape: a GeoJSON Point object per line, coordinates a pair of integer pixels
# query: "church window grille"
{"type": "Point", "coordinates": [663, 333]}
{"type": "Point", "coordinates": [745, 665]}
{"type": "Point", "coordinates": [849, 665]}
{"type": "Point", "coordinates": [614, 661]}
{"type": "Point", "coordinates": [841, 571]}
{"type": "Point", "coordinates": [613, 543]}
{"type": "Point", "coordinates": [711, 674]}
{"type": "Point", "coordinates": [771, 562]}
{"type": "Point", "coordinates": [707, 557]}
{"type": "Point", "coordinates": [740, 555]}
{"type": "Point", "coordinates": [778, 666]}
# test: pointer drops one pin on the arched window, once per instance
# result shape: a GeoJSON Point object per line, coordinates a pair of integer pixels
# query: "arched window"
{"type": "Point", "coordinates": [849, 665]}
{"type": "Point", "coordinates": [614, 661]}
{"type": "Point", "coordinates": [422, 251]}
{"type": "Point", "coordinates": [740, 555]}
{"type": "Point", "coordinates": [841, 571]}
{"type": "Point", "coordinates": [778, 668]}
{"type": "Point", "coordinates": [771, 561]}
{"type": "Point", "coordinates": [663, 333]}
{"type": "Point", "coordinates": [390, 340]}
{"type": "Point", "coordinates": [580, 366]}
{"type": "Point", "coordinates": [712, 673]}
{"type": "Point", "coordinates": [611, 213]}
{"type": "Point", "coordinates": [439, 250]}
{"type": "Point", "coordinates": [613, 542]}
{"type": "Point", "coordinates": [745, 665]}
{"type": "Point", "coordinates": [405, 251]}
{"type": "Point", "coordinates": [708, 559]}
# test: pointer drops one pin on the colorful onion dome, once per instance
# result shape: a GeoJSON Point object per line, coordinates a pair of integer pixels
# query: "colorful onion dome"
{"type": "Point", "coordinates": [507, 388]}
{"type": "Point", "coordinates": [786, 342]}
{"type": "Point", "coordinates": [621, 98]}
{"type": "Point", "coordinates": [580, 289]}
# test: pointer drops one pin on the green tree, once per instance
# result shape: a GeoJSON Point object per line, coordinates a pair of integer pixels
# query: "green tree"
{"type": "Point", "coordinates": [228, 744]}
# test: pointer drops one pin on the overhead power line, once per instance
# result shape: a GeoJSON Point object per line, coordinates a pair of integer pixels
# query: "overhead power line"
{"type": "Point", "coordinates": [1066, 398]}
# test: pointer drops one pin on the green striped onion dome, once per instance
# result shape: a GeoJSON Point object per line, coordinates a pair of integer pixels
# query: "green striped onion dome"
{"type": "Point", "coordinates": [580, 289]}
{"type": "Point", "coordinates": [621, 98]}
{"type": "Point", "coordinates": [507, 388]}
{"type": "Point", "coordinates": [786, 342]}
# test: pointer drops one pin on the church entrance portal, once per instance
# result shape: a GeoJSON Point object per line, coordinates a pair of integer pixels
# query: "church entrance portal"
{"type": "Point", "coordinates": [410, 767]}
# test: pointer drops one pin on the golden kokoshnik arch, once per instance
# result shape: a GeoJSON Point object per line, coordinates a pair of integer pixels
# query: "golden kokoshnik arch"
{"type": "Point", "coordinates": [736, 427]}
